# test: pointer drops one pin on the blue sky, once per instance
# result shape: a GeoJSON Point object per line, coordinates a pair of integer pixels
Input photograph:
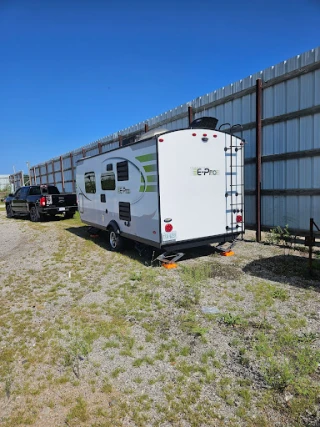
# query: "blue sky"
{"type": "Point", "coordinates": [73, 71]}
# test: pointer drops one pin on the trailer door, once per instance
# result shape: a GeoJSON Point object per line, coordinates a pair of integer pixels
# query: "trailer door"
{"type": "Point", "coordinates": [197, 170]}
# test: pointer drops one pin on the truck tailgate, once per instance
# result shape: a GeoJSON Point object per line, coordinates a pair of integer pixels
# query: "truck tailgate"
{"type": "Point", "coordinates": [64, 200]}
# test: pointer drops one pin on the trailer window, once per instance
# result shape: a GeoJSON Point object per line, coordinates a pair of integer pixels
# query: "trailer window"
{"type": "Point", "coordinates": [90, 182]}
{"type": "Point", "coordinates": [108, 181]}
{"type": "Point", "coordinates": [122, 171]}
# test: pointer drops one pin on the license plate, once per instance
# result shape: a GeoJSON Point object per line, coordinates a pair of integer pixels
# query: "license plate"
{"type": "Point", "coordinates": [169, 237]}
{"type": "Point", "coordinates": [62, 209]}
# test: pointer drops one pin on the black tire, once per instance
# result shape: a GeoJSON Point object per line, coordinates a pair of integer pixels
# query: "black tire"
{"type": "Point", "coordinates": [116, 242]}
{"type": "Point", "coordinates": [34, 214]}
{"type": "Point", "coordinates": [68, 215]}
{"type": "Point", "coordinates": [9, 210]}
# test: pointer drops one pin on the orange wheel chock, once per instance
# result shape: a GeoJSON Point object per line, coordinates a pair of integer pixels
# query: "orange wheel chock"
{"type": "Point", "coordinates": [169, 265]}
{"type": "Point", "coordinates": [229, 253]}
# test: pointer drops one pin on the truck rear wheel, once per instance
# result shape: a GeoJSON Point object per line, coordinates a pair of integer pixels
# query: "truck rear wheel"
{"type": "Point", "coordinates": [116, 242]}
{"type": "Point", "coordinates": [9, 211]}
{"type": "Point", "coordinates": [35, 216]}
{"type": "Point", "coordinates": [68, 215]}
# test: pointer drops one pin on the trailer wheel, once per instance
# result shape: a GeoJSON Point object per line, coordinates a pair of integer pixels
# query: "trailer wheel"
{"type": "Point", "coordinates": [9, 210]}
{"type": "Point", "coordinates": [34, 214]}
{"type": "Point", "coordinates": [116, 242]}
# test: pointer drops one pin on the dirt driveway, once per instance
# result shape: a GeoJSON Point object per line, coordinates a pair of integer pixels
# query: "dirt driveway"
{"type": "Point", "coordinates": [94, 338]}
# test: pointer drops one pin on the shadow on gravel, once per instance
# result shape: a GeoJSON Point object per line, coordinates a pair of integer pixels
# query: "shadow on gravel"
{"type": "Point", "coordinates": [290, 269]}
{"type": "Point", "coordinates": [146, 254]}
{"type": "Point", "coordinates": [46, 218]}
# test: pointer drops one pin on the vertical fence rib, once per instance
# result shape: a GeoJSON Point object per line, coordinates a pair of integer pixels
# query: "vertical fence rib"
{"type": "Point", "coordinates": [190, 115]}
{"type": "Point", "coordinates": [53, 174]}
{"type": "Point", "coordinates": [47, 173]}
{"type": "Point", "coordinates": [258, 157]}
{"type": "Point", "coordinates": [72, 173]}
{"type": "Point", "coordinates": [62, 174]}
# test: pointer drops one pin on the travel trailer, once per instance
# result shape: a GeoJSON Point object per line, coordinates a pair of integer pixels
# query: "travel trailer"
{"type": "Point", "coordinates": [169, 189]}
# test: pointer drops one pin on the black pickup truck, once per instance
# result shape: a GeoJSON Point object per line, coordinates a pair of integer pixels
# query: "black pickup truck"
{"type": "Point", "coordinates": [36, 201]}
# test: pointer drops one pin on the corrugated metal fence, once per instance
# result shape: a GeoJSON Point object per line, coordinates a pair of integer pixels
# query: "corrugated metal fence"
{"type": "Point", "coordinates": [279, 110]}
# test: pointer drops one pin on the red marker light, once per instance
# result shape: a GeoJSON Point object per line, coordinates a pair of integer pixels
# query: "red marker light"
{"type": "Point", "coordinates": [239, 218]}
{"type": "Point", "coordinates": [204, 134]}
{"type": "Point", "coordinates": [168, 228]}
{"type": "Point", "coordinates": [215, 136]}
{"type": "Point", "coordinates": [194, 134]}
{"type": "Point", "coordinates": [160, 140]}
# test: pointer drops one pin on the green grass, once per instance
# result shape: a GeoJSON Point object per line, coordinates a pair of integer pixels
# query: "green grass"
{"type": "Point", "coordinates": [61, 336]}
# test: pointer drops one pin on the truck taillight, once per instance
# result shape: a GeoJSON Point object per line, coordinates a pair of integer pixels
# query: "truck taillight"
{"type": "Point", "coordinates": [168, 228]}
{"type": "Point", "coordinates": [42, 201]}
{"type": "Point", "coordinates": [239, 218]}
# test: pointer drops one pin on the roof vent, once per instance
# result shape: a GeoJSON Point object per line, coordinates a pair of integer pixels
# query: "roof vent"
{"type": "Point", "coordinates": [204, 123]}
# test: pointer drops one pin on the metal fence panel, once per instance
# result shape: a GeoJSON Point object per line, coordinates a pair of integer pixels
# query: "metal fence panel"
{"type": "Point", "coordinates": [66, 161]}
{"type": "Point", "coordinates": [290, 124]}
{"type": "Point", "coordinates": [250, 203]}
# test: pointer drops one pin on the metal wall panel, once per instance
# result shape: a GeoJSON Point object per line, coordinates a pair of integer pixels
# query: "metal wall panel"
{"type": "Point", "coordinates": [250, 204]}
{"type": "Point", "coordinates": [67, 175]}
{"type": "Point", "coordinates": [110, 147]}
{"type": "Point", "coordinates": [280, 135]}
{"type": "Point", "coordinates": [66, 161]}
{"type": "Point", "coordinates": [4, 182]}
{"type": "Point", "coordinates": [249, 177]}
{"type": "Point", "coordinates": [59, 187]}
{"type": "Point", "coordinates": [92, 151]}
{"type": "Point", "coordinates": [68, 187]}
{"type": "Point", "coordinates": [58, 177]}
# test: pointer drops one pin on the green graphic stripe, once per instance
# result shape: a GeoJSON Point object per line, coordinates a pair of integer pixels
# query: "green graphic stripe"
{"type": "Point", "coordinates": [150, 168]}
{"type": "Point", "coordinates": [148, 189]}
{"type": "Point", "coordinates": [147, 157]}
{"type": "Point", "coordinates": [152, 178]}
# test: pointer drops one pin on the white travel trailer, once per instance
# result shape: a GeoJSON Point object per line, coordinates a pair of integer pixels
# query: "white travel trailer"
{"type": "Point", "coordinates": [169, 190]}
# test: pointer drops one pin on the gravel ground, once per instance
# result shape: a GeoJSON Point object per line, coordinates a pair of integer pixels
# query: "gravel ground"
{"type": "Point", "coordinates": [94, 338]}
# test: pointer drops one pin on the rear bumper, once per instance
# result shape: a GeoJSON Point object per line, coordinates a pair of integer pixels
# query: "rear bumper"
{"type": "Point", "coordinates": [55, 210]}
{"type": "Point", "coordinates": [194, 243]}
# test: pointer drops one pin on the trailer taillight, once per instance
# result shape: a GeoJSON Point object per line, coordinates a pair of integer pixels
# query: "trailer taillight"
{"type": "Point", "coordinates": [42, 201]}
{"type": "Point", "coordinates": [168, 228]}
{"type": "Point", "coordinates": [239, 218]}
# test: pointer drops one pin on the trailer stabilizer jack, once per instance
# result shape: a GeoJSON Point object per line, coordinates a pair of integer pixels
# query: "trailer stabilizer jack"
{"type": "Point", "coordinates": [169, 265]}
{"type": "Point", "coordinates": [168, 259]}
{"type": "Point", "coordinates": [228, 253]}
